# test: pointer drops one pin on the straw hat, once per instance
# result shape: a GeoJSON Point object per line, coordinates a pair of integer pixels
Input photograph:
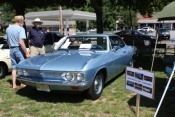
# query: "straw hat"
{"type": "Point", "coordinates": [18, 18]}
{"type": "Point", "coordinates": [37, 20]}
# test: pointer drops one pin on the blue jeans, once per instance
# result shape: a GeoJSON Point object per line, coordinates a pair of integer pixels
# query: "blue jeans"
{"type": "Point", "coordinates": [17, 55]}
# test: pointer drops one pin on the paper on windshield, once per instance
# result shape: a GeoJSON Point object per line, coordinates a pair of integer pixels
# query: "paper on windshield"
{"type": "Point", "coordinates": [85, 47]}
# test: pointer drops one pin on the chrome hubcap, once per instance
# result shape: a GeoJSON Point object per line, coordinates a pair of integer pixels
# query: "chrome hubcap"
{"type": "Point", "coordinates": [98, 84]}
{"type": "Point", "coordinates": [0, 71]}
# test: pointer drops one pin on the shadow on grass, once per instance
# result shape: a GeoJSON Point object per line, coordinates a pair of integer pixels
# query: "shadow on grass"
{"type": "Point", "coordinates": [145, 61]}
{"type": "Point", "coordinates": [52, 97]}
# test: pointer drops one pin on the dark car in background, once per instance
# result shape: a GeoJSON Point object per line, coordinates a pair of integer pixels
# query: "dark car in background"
{"type": "Point", "coordinates": [136, 38]}
{"type": "Point", "coordinates": [163, 34]}
{"type": "Point", "coordinates": [51, 37]}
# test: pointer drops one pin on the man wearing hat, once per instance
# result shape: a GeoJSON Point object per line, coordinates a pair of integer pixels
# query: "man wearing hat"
{"type": "Point", "coordinates": [18, 52]}
{"type": "Point", "coordinates": [36, 38]}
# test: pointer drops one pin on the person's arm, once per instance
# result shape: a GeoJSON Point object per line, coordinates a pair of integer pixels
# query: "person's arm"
{"type": "Point", "coordinates": [29, 37]}
{"type": "Point", "coordinates": [29, 45]}
{"type": "Point", "coordinates": [23, 46]}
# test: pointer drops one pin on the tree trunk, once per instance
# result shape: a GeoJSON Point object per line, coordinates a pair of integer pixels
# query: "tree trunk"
{"type": "Point", "coordinates": [97, 5]}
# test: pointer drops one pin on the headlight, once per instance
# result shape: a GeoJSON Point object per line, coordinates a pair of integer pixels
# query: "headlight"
{"type": "Point", "coordinates": [25, 73]}
{"type": "Point", "coordinates": [67, 76]}
{"type": "Point", "coordinates": [80, 77]}
{"type": "Point", "coordinates": [20, 73]}
{"type": "Point", "coordinates": [73, 76]}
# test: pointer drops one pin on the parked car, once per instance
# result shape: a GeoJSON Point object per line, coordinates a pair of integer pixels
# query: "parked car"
{"type": "Point", "coordinates": [5, 61]}
{"type": "Point", "coordinates": [52, 36]}
{"type": "Point", "coordinates": [136, 38]}
{"type": "Point", "coordinates": [141, 30]}
{"type": "Point", "coordinates": [82, 63]}
{"type": "Point", "coordinates": [93, 30]}
{"type": "Point", "coordinates": [148, 29]}
{"type": "Point", "coordinates": [163, 34]}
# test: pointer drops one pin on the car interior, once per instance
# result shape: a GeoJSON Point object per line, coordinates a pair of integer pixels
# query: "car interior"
{"type": "Point", "coordinates": [97, 43]}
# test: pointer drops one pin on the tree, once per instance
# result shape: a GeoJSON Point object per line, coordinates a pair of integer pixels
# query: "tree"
{"type": "Point", "coordinates": [144, 7]}
{"type": "Point", "coordinates": [20, 6]}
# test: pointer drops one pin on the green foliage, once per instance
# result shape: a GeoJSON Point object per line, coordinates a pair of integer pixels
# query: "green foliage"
{"type": "Point", "coordinates": [2, 33]}
{"type": "Point", "coordinates": [8, 13]}
{"type": "Point", "coordinates": [106, 10]}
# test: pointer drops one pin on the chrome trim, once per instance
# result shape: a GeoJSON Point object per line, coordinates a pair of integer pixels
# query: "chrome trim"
{"type": "Point", "coordinates": [65, 83]}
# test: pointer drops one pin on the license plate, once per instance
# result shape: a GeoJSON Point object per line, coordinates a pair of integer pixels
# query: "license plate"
{"type": "Point", "coordinates": [164, 35]}
{"type": "Point", "coordinates": [43, 87]}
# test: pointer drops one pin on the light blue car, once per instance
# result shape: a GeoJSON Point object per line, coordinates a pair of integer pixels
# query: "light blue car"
{"type": "Point", "coordinates": [80, 63]}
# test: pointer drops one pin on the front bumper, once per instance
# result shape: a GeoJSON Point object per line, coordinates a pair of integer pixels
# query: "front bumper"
{"type": "Point", "coordinates": [59, 85]}
{"type": "Point", "coordinates": [164, 36]}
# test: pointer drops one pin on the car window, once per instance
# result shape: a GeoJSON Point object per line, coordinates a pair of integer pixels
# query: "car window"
{"type": "Point", "coordinates": [127, 32]}
{"type": "Point", "coordinates": [116, 41]}
{"type": "Point", "coordinates": [85, 43]}
{"type": "Point", "coordinates": [137, 33]}
{"type": "Point", "coordinates": [3, 44]}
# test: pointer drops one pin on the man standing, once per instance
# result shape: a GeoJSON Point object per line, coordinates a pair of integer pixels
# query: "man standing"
{"type": "Point", "coordinates": [15, 34]}
{"type": "Point", "coordinates": [36, 38]}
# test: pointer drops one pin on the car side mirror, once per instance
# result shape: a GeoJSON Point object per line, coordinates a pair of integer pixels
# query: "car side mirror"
{"type": "Point", "coordinates": [115, 48]}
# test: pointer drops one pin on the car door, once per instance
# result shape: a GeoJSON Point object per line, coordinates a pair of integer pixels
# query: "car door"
{"type": "Point", "coordinates": [117, 56]}
{"type": "Point", "coordinates": [138, 39]}
{"type": "Point", "coordinates": [127, 37]}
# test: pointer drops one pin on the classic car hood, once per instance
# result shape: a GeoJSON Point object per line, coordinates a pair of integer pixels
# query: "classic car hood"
{"type": "Point", "coordinates": [58, 61]}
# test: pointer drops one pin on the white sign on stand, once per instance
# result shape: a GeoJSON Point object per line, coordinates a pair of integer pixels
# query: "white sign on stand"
{"type": "Point", "coordinates": [140, 81]}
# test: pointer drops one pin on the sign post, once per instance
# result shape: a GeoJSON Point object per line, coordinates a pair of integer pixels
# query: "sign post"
{"type": "Point", "coordinates": [137, 105]}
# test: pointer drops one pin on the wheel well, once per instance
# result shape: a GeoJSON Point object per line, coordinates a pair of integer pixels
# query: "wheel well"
{"type": "Point", "coordinates": [134, 56]}
{"type": "Point", "coordinates": [3, 63]}
{"type": "Point", "coordinates": [103, 71]}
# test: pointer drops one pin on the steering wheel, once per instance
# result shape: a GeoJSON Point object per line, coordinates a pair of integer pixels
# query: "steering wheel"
{"type": "Point", "coordinates": [96, 47]}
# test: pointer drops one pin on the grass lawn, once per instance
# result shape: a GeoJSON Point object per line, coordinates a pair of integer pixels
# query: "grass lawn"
{"type": "Point", "coordinates": [115, 101]}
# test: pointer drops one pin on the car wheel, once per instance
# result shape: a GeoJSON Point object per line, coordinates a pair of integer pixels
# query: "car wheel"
{"type": "Point", "coordinates": [147, 42]}
{"type": "Point", "coordinates": [2, 70]}
{"type": "Point", "coordinates": [131, 63]}
{"type": "Point", "coordinates": [96, 88]}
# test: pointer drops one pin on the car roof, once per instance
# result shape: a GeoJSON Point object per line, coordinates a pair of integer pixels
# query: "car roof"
{"type": "Point", "coordinates": [129, 30]}
{"type": "Point", "coordinates": [84, 35]}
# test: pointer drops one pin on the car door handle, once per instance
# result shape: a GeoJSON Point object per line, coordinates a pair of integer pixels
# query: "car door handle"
{"type": "Point", "coordinates": [124, 51]}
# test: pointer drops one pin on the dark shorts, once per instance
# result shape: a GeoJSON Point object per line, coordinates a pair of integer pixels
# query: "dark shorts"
{"type": "Point", "coordinates": [16, 55]}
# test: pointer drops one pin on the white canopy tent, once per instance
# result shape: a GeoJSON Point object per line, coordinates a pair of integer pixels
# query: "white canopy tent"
{"type": "Point", "coordinates": [67, 16]}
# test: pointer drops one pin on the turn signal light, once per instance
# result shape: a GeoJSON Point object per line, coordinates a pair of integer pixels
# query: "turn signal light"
{"type": "Point", "coordinates": [75, 87]}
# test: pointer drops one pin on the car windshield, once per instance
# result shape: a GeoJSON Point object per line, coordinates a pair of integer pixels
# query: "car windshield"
{"type": "Point", "coordinates": [85, 43]}
{"type": "Point", "coordinates": [3, 44]}
{"type": "Point", "coordinates": [138, 33]}
{"type": "Point", "coordinates": [163, 30]}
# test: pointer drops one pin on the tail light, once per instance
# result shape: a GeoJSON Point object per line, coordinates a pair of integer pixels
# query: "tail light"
{"type": "Point", "coordinates": [122, 38]}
